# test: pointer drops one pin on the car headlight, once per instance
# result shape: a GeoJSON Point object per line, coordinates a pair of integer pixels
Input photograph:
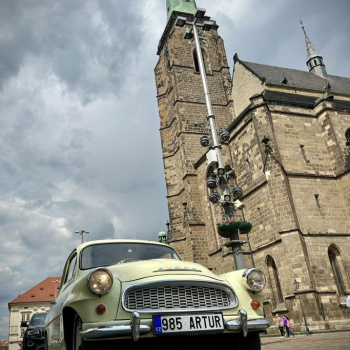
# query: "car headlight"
{"type": "Point", "coordinates": [33, 332]}
{"type": "Point", "coordinates": [100, 281]}
{"type": "Point", "coordinates": [254, 279]}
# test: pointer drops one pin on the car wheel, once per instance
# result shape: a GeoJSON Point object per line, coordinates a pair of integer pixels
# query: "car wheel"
{"type": "Point", "coordinates": [78, 343]}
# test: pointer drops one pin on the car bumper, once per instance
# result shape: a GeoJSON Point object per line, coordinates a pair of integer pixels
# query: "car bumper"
{"type": "Point", "coordinates": [134, 328]}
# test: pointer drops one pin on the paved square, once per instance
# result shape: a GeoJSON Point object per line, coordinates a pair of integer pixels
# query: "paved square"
{"type": "Point", "coordinates": [322, 341]}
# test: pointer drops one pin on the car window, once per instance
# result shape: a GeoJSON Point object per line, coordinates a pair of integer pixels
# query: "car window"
{"type": "Point", "coordinates": [71, 268]}
{"type": "Point", "coordinates": [113, 253]}
{"type": "Point", "coordinates": [38, 319]}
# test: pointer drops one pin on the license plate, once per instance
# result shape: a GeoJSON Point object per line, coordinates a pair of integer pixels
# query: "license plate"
{"type": "Point", "coordinates": [188, 323]}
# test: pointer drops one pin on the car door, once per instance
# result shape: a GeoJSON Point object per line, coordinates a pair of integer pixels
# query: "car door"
{"type": "Point", "coordinates": [54, 321]}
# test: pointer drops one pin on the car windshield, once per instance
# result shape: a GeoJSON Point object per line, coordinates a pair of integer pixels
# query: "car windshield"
{"type": "Point", "coordinates": [38, 319]}
{"type": "Point", "coordinates": [106, 254]}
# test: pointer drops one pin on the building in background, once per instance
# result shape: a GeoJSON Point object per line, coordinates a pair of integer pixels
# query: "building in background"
{"type": "Point", "coordinates": [290, 148]}
{"type": "Point", "coordinates": [36, 299]}
{"type": "Point", "coordinates": [4, 345]}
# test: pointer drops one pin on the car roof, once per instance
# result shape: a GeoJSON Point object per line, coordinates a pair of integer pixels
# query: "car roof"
{"type": "Point", "coordinates": [104, 241]}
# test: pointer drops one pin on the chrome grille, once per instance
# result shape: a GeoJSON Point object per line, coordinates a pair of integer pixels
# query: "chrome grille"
{"type": "Point", "coordinates": [178, 297]}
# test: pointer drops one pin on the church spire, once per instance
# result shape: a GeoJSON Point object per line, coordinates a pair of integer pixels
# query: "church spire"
{"type": "Point", "coordinates": [186, 6]}
{"type": "Point", "coordinates": [314, 59]}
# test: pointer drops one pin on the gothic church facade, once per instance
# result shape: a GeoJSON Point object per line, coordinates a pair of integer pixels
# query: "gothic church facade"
{"type": "Point", "coordinates": [290, 148]}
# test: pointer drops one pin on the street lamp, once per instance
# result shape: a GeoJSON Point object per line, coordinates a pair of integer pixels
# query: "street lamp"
{"type": "Point", "coordinates": [214, 155]}
{"type": "Point", "coordinates": [81, 233]}
{"type": "Point", "coordinates": [57, 281]}
{"type": "Point", "coordinates": [296, 288]}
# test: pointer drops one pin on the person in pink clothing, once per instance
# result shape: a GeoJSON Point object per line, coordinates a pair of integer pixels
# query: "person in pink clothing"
{"type": "Point", "coordinates": [280, 325]}
{"type": "Point", "coordinates": [288, 326]}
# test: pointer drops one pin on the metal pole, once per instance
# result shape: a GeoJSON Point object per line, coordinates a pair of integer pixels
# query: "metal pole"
{"type": "Point", "coordinates": [228, 207]}
{"type": "Point", "coordinates": [210, 116]}
{"type": "Point", "coordinates": [306, 325]}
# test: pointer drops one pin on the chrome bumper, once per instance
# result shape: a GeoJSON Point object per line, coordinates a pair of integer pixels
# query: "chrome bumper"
{"type": "Point", "coordinates": [241, 324]}
{"type": "Point", "coordinates": [135, 328]}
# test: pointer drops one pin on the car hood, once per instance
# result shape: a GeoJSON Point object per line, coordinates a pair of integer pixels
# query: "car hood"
{"type": "Point", "coordinates": [137, 270]}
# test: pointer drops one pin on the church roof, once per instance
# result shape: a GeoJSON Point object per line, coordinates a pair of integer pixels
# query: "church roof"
{"type": "Point", "coordinates": [297, 78]}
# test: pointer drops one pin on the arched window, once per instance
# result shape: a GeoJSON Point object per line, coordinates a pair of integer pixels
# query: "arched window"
{"type": "Point", "coordinates": [275, 284]}
{"type": "Point", "coordinates": [347, 137]}
{"type": "Point", "coordinates": [196, 63]}
{"type": "Point", "coordinates": [195, 60]}
{"type": "Point", "coordinates": [337, 268]}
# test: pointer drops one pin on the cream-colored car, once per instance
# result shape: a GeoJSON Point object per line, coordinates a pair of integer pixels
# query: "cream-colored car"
{"type": "Point", "coordinates": [131, 292]}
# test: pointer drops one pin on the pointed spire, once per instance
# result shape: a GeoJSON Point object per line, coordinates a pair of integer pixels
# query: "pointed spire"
{"type": "Point", "coordinates": [314, 59]}
{"type": "Point", "coordinates": [186, 6]}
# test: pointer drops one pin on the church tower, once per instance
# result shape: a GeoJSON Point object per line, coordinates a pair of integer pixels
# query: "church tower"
{"type": "Point", "coordinates": [183, 121]}
{"type": "Point", "coordinates": [289, 146]}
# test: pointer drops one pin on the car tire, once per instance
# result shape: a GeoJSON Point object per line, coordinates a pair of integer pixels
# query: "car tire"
{"type": "Point", "coordinates": [77, 341]}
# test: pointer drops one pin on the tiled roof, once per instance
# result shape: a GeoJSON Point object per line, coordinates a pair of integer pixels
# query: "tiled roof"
{"type": "Point", "coordinates": [297, 78]}
{"type": "Point", "coordinates": [44, 291]}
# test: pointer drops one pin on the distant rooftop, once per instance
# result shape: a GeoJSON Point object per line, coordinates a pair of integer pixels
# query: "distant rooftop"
{"type": "Point", "coordinates": [42, 292]}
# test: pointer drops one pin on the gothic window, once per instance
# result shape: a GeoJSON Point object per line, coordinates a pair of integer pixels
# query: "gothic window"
{"type": "Point", "coordinates": [196, 63]}
{"type": "Point", "coordinates": [337, 268]}
{"type": "Point", "coordinates": [249, 168]}
{"type": "Point", "coordinates": [275, 285]}
{"type": "Point", "coordinates": [347, 137]}
{"type": "Point", "coordinates": [195, 60]}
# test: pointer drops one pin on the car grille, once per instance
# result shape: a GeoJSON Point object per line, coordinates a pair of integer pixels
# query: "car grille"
{"type": "Point", "coordinates": [178, 297]}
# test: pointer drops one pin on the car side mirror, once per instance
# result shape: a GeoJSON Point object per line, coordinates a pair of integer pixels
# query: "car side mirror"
{"type": "Point", "coordinates": [24, 324]}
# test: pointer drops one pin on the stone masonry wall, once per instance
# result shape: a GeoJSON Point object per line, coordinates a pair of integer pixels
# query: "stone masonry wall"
{"type": "Point", "coordinates": [296, 192]}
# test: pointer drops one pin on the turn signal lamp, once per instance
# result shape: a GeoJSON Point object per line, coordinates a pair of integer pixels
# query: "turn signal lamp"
{"type": "Point", "coordinates": [101, 309]}
{"type": "Point", "coordinates": [255, 304]}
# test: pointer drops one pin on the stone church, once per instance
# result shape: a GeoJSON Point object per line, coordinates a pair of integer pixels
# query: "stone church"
{"type": "Point", "coordinates": [290, 148]}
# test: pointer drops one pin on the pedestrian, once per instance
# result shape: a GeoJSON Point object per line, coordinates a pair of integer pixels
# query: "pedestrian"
{"type": "Point", "coordinates": [280, 325]}
{"type": "Point", "coordinates": [288, 326]}
{"type": "Point", "coordinates": [347, 294]}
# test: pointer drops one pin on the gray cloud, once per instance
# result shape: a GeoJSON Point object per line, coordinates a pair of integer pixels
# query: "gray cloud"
{"type": "Point", "coordinates": [86, 44]}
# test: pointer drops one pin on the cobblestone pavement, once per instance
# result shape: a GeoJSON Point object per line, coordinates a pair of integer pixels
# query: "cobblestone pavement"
{"type": "Point", "coordinates": [319, 341]}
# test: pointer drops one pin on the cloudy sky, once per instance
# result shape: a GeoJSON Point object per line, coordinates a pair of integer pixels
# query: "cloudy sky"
{"type": "Point", "coordinates": [79, 126]}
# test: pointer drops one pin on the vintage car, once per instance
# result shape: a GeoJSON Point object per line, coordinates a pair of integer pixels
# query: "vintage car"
{"type": "Point", "coordinates": [140, 293]}
{"type": "Point", "coordinates": [33, 338]}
